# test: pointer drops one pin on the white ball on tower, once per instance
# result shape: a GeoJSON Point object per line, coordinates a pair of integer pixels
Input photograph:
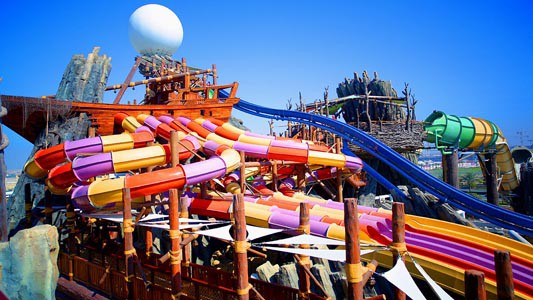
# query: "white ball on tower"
{"type": "Point", "coordinates": [155, 29]}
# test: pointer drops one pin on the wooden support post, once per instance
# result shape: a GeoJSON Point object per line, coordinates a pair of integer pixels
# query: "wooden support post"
{"type": "Point", "coordinates": [398, 240]}
{"type": "Point", "coordinates": [175, 241]}
{"type": "Point", "coordinates": [275, 176]}
{"type": "Point", "coordinates": [243, 171]}
{"type": "Point", "coordinates": [174, 232]}
{"type": "Point", "coordinates": [304, 283]}
{"type": "Point", "coordinates": [300, 177]}
{"type": "Point", "coordinates": [28, 204]}
{"type": "Point", "coordinates": [184, 213]}
{"type": "Point", "coordinates": [71, 241]}
{"type": "Point", "coordinates": [128, 80]}
{"type": "Point", "coordinates": [354, 270]}
{"type": "Point", "coordinates": [492, 178]}
{"type": "Point", "coordinates": [148, 237]}
{"type": "Point", "coordinates": [450, 168]}
{"type": "Point", "coordinates": [475, 285]}
{"type": "Point", "coordinates": [240, 247]}
{"type": "Point", "coordinates": [504, 274]}
{"type": "Point", "coordinates": [129, 250]}
{"type": "Point", "coordinates": [91, 132]}
{"type": "Point", "coordinates": [48, 210]}
{"type": "Point", "coordinates": [338, 143]}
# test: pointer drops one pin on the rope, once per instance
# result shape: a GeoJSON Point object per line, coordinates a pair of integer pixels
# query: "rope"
{"type": "Point", "coordinates": [354, 273]}
{"type": "Point", "coordinates": [128, 225]}
{"type": "Point", "coordinates": [174, 234]}
{"type": "Point", "coordinates": [241, 246]}
{"type": "Point", "coordinates": [174, 257]}
{"type": "Point", "coordinates": [304, 228]}
{"type": "Point", "coordinates": [244, 291]}
{"type": "Point", "coordinates": [401, 248]}
{"type": "Point", "coordinates": [129, 252]}
{"type": "Point", "coordinates": [304, 260]}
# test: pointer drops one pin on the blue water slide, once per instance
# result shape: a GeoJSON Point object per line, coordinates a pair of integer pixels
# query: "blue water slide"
{"type": "Point", "coordinates": [425, 181]}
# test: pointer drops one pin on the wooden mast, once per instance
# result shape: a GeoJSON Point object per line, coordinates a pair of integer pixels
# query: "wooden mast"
{"type": "Point", "coordinates": [240, 248]}
{"type": "Point", "coordinates": [304, 282]}
{"type": "Point", "coordinates": [398, 240]}
{"type": "Point", "coordinates": [174, 232]}
{"type": "Point", "coordinates": [354, 270]}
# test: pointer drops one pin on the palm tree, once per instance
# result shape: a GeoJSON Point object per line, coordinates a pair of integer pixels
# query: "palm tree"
{"type": "Point", "coordinates": [470, 180]}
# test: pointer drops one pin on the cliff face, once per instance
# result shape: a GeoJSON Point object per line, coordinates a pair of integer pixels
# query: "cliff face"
{"type": "Point", "coordinates": [84, 80]}
{"type": "Point", "coordinates": [28, 264]}
{"type": "Point", "coordinates": [352, 111]}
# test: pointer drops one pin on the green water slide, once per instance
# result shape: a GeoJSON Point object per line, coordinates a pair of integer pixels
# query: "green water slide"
{"type": "Point", "coordinates": [450, 131]}
{"type": "Point", "coordinates": [474, 134]}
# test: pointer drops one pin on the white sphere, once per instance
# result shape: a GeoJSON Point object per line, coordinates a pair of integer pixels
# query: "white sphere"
{"type": "Point", "coordinates": [155, 29]}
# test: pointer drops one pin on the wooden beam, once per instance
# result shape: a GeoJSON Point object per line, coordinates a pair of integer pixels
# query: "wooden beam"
{"type": "Point", "coordinates": [124, 86]}
{"type": "Point", "coordinates": [129, 250]}
{"type": "Point", "coordinates": [174, 232]}
{"type": "Point", "coordinates": [504, 274]}
{"type": "Point", "coordinates": [240, 248]}
{"type": "Point", "coordinates": [450, 168]}
{"type": "Point", "coordinates": [492, 178]}
{"type": "Point", "coordinates": [475, 285]}
{"type": "Point", "coordinates": [354, 270]}
{"type": "Point", "coordinates": [304, 283]}
{"type": "Point", "coordinates": [338, 143]}
{"type": "Point", "coordinates": [398, 240]}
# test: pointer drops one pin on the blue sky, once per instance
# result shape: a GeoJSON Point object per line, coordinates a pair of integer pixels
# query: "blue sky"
{"type": "Point", "coordinates": [468, 58]}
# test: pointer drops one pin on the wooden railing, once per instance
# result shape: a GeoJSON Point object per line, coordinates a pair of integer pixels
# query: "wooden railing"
{"type": "Point", "coordinates": [198, 283]}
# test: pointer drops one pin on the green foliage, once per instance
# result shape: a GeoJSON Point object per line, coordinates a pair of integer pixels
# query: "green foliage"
{"type": "Point", "coordinates": [470, 180]}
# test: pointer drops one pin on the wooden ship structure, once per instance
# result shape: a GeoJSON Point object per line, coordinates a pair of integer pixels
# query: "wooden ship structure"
{"type": "Point", "coordinates": [177, 90]}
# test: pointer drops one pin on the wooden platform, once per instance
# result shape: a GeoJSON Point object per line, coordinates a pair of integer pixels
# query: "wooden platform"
{"type": "Point", "coordinates": [89, 267]}
{"type": "Point", "coordinates": [27, 116]}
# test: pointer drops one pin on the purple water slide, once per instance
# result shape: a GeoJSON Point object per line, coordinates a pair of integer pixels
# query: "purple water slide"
{"type": "Point", "coordinates": [183, 120]}
{"type": "Point", "coordinates": [209, 125]}
{"type": "Point", "coordinates": [250, 199]}
{"type": "Point", "coordinates": [152, 122]}
{"type": "Point", "coordinates": [289, 182]}
{"type": "Point", "coordinates": [257, 135]}
{"type": "Point", "coordinates": [210, 148]}
{"type": "Point", "coordinates": [204, 170]}
{"type": "Point", "coordinates": [354, 163]}
{"type": "Point", "coordinates": [294, 214]}
{"type": "Point", "coordinates": [88, 145]}
{"type": "Point", "coordinates": [91, 166]}
{"type": "Point", "coordinates": [166, 119]}
{"type": "Point", "coordinates": [80, 200]}
{"type": "Point", "coordinates": [144, 129]}
{"type": "Point", "coordinates": [193, 140]}
{"type": "Point", "coordinates": [458, 251]}
{"type": "Point", "coordinates": [281, 221]}
{"type": "Point", "coordinates": [258, 151]}
{"type": "Point", "coordinates": [340, 206]}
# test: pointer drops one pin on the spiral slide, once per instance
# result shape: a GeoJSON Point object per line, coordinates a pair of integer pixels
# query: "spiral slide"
{"type": "Point", "coordinates": [473, 134]}
{"type": "Point", "coordinates": [494, 214]}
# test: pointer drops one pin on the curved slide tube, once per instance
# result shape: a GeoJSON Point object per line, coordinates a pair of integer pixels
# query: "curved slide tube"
{"type": "Point", "coordinates": [46, 159]}
{"type": "Point", "coordinates": [473, 134]}
{"type": "Point", "coordinates": [264, 147]}
{"type": "Point", "coordinates": [494, 214]}
{"type": "Point", "coordinates": [103, 192]}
